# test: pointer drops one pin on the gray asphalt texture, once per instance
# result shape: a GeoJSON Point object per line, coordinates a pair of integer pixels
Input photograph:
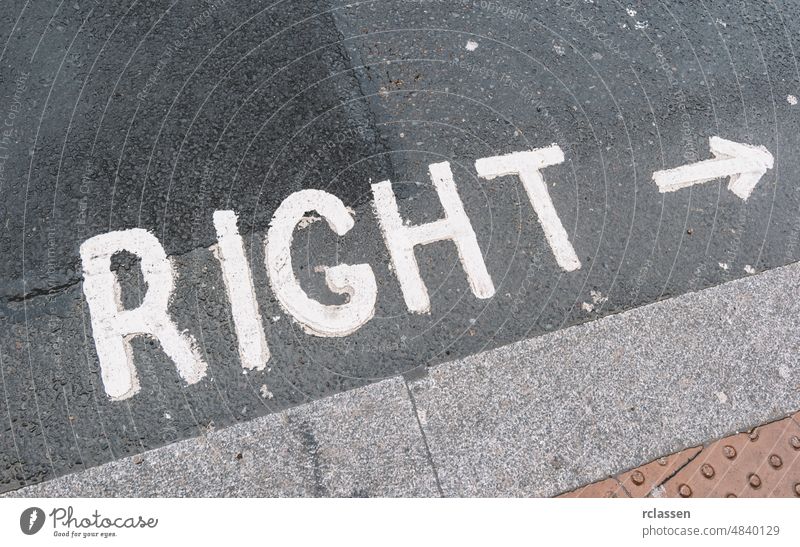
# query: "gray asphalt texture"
{"type": "Point", "coordinates": [534, 418]}
{"type": "Point", "coordinates": [155, 114]}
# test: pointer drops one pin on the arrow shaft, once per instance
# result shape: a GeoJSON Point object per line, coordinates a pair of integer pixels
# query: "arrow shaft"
{"type": "Point", "coordinates": [671, 180]}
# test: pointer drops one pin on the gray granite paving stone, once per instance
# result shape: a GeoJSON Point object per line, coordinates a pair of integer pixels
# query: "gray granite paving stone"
{"type": "Point", "coordinates": [365, 442]}
{"type": "Point", "coordinates": [549, 414]}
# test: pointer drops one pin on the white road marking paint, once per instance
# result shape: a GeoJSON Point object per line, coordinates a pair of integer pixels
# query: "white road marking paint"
{"type": "Point", "coordinates": [597, 297]}
{"type": "Point", "coordinates": [113, 327]}
{"type": "Point", "coordinates": [229, 250]}
{"type": "Point", "coordinates": [791, 99]}
{"type": "Point", "coordinates": [471, 45]}
{"type": "Point", "coordinates": [358, 281]}
{"type": "Point", "coordinates": [455, 226]}
{"type": "Point", "coordinates": [527, 166]}
{"type": "Point", "coordinates": [743, 163]}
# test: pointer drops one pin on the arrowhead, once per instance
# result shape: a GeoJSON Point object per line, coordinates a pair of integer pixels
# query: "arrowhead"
{"type": "Point", "coordinates": [753, 163]}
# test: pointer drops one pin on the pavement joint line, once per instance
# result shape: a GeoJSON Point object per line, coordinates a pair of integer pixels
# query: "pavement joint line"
{"type": "Point", "coordinates": [676, 471]}
{"type": "Point", "coordinates": [486, 466]}
{"type": "Point", "coordinates": [621, 486]}
{"type": "Point", "coordinates": [424, 438]}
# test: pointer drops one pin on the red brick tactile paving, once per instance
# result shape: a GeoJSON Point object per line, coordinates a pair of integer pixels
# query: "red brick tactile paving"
{"type": "Point", "coordinates": [764, 462]}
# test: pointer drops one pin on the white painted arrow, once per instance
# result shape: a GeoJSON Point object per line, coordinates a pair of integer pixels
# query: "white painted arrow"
{"type": "Point", "coordinates": [743, 163]}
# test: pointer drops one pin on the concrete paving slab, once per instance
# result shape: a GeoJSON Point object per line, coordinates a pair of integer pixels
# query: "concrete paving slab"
{"type": "Point", "coordinates": [365, 442]}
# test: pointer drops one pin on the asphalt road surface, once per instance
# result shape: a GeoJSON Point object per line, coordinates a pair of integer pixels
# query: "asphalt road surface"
{"type": "Point", "coordinates": [156, 114]}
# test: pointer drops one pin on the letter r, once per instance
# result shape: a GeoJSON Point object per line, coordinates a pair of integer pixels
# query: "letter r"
{"type": "Point", "coordinates": [114, 327]}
